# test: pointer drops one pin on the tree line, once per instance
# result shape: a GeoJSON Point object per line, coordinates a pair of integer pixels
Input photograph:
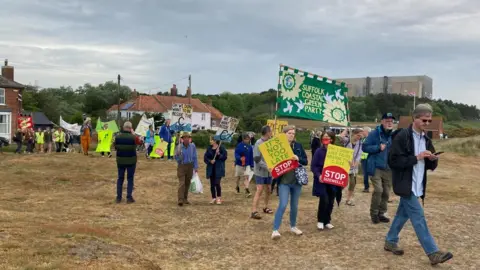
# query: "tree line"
{"type": "Point", "coordinates": [253, 109]}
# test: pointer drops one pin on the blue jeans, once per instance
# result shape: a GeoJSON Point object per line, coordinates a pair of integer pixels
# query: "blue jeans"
{"type": "Point", "coordinates": [121, 178]}
{"type": "Point", "coordinates": [285, 191]}
{"type": "Point", "coordinates": [365, 174]}
{"type": "Point", "coordinates": [410, 208]}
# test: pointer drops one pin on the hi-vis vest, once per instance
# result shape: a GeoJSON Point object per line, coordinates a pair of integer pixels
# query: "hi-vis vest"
{"type": "Point", "coordinates": [364, 155]}
{"type": "Point", "coordinates": [39, 137]}
{"type": "Point", "coordinates": [59, 136]}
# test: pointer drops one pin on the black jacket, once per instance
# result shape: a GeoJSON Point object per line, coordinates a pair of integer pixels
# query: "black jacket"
{"type": "Point", "coordinates": [402, 159]}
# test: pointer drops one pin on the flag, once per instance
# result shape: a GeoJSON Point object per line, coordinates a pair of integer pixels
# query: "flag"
{"type": "Point", "coordinates": [412, 94]}
{"type": "Point", "coordinates": [309, 96]}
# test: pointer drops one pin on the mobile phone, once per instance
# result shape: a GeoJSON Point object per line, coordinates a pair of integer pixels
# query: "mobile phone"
{"type": "Point", "coordinates": [438, 153]}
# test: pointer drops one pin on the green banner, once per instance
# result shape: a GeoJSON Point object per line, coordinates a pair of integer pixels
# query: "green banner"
{"type": "Point", "coordinates": [112, 125]}
{"type": "Point", "coordinates": [303, 95]}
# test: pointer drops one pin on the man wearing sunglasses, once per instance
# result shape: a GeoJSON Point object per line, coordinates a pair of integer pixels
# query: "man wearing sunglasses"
{"type": "Point", "coordinates": [411, 155]}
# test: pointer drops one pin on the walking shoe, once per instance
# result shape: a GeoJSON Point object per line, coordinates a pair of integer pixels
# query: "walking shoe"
{"type": "Point", "coordinates": [255, 215]}
{"type": "Point", "coordinates": [320, 226]}
{"type": "Point", "coordinates": [383, 219]}
{"type": "Point", "coordinates": [247, 193]}
{"type": "Point", "coordinates": [219, 201]}
{"type": "Point", "coordinates": [439, 257]}
{"type": "Point", "coordinates": [237, 189]}
{"type": "Point", "coordinates": [118, 200]}
{"type": "Point", "coordinates": [296, 231]}
{"type": "Point", "coordinates": [180, 204]}
{"type": "Point", "coordinates": [130, 200]}
{"type": "Point", "coordinates": [375, 220]}
{"type": "Point", "coordinates": [329, 226]}
{"type": "Point", "coordinates": [276, 235]}
{"type": "Point", "coordinates": [393, 247]}
{"type": "Point", "coordinates": [366, 190]}
{"type": "Point", "coordinates": [213, 201]}
{"type": "Point", "coordinates": [109, 155]}
{"type": "Point", "coordinates": [187, 202]}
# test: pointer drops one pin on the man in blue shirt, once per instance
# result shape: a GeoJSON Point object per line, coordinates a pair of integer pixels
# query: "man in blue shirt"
{"type": "Point", "coordinates": [186, 157]}
{"type": "Point", "coordinates": [377, 146]}
{"type": "Point", "coordinates": [411, 155]}
{"type": "Point", "coordinates": [166, 136]}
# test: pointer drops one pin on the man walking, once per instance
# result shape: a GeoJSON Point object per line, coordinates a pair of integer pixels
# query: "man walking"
{"type": "Point", "coordinates": [377, 146]}
{"type": "Point", "coordinates": [166, 136]}
{"type": "Point", "coordinates": [411, 155]}
{"type": "Point", "coordinates": [126, 146]}
{"type": "Point", "coordinates": [263, 178]}
{"type": "Point", "coordinates": [186, 157]}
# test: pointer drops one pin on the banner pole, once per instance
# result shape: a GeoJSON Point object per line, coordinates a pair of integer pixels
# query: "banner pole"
{"type": "Point", "coordinates": [276, 101]}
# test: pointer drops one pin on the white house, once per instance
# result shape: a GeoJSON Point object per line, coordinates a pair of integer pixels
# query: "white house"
{"type": "Point", "coordinates": [204, 116]}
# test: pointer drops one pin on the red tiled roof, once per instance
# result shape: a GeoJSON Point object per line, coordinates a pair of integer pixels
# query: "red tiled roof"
{"type": "Point", "coordinates": [162, 104]}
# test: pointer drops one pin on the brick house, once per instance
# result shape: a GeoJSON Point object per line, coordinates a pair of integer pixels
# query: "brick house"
{"type": "Point", "coordinates": [204, 115]}
{"type": "Point", "coordinates": [10, 101]}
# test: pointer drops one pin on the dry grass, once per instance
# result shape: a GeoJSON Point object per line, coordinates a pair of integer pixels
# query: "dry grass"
{"type": "Point", "coordinates": [57, 212]}
{"type": "Point", "coordinates": [469, 146]}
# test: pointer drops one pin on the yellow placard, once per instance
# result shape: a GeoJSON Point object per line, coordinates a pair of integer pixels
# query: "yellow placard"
{"type": "Point", "coordinates": [159, 148]}
{"type": "Point", "coordinates": [276, 150]}
{"type": "Point", "coordinates": [280, 125]}
{"type": "Point", "coordinates": [339, 157]}
{"type": "Point", "coordinates": [104, 140]}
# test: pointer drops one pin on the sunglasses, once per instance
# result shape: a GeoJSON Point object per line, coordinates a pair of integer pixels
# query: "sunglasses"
{"type": "Point", "coordinates": [426, 121]}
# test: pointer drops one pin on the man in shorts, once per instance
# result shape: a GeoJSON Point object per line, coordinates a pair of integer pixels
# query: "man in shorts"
{"type": "Point", "coordinates": [243, 163]}
{"type": "Point", "coordinates": [263, 178]}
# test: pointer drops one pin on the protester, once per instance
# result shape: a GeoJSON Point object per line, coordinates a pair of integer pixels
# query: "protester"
{"type": "Point", "coordinates": [59, 139]}
{"type": "Point", "coordinates": [289, 187]}
{"type": "Point", "coordinates": [263, 178]}
{"type": "Point", "coordinates": [126, 146]}
{"type": "Point", "coordinates": [39, 139]}
{"type": "Point", "coordinates": [366, 131]}
{"type": "Point", "coordinates": [356, 145]}
{"type": "Point", "coordinates": [377, 145]}
{"type": "Point", "coordinates": [243, 159]}
{"type": "Point", "coordinates": [86, 134]}
{"type": "Point", "coordinates": [18, 139]}
{"type": "Point", "coordinates": [166, 136]}
{"type": "Point", "coordinates": [186, 157]}
{"type": "Point", "coordinates": [149, 141]}
{"type": "Point", "coordinates": [316, 142]}
{"type": "Point", "coordinates": [411, 155]}
{"type": "Point", "coordinates": [48, 140]}
{"type": "Point", "coordinates": [30, 140]}
{"type": "Point", "coordinates": [327, 193]}
{"type": "Point", "coordinates": [105, 127]}
{"type": "Point", "coordinates": [215, 158]}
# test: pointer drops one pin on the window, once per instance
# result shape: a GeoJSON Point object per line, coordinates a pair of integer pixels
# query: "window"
{"type": "Point", "coordinates": [203, 117]}
{"type": "Point", "coordinates": [5, 124]}
{"type": "Point", "coordinates": [2, 96]}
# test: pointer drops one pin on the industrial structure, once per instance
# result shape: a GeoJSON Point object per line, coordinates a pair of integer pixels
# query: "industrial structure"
{"type": "Point", "coordinates": [421, 86]}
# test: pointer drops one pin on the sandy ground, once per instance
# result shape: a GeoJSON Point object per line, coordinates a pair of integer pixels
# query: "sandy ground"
{"type": "Point", "coordinates": [58, 212]}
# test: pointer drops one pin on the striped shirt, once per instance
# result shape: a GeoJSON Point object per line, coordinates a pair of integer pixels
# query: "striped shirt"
{"type": "Point", "coordinates": [126, 146]}
{"type": "Point", "coordinates": [187, 155]}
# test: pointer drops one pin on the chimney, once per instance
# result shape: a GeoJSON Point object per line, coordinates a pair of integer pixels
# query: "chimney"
{"type": "Point", "coordinates": [173, 91]}
{"type": "Point", "coordinates": [7, 71]}
{"type": "Point", "coordinates": [189, 95]}
{"type": "Point", "coordinates": [134, 94]}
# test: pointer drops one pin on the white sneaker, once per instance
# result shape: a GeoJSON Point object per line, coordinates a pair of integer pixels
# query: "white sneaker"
{"type": "Point", "coordinates": [320, 225]}
{"type": "Point", "coordinates": [296, 231]}
{"type": "Point", "coordinates": [329, 226]}
{"type": "Point", "coordinates": [276, 235]}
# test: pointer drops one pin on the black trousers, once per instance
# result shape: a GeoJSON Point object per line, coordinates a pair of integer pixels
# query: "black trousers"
{"type": "Point", "coordinates": [325, 206]}
{"type": "Point", "coordinates": [215, 187]}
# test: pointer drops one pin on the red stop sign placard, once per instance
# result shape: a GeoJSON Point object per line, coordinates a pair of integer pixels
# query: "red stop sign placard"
{"type": "Point", "coordinates": [335, 175]}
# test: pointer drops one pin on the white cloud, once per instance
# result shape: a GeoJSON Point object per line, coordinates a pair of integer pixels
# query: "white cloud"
{"type": "Point", "coordinates": [237, 45]}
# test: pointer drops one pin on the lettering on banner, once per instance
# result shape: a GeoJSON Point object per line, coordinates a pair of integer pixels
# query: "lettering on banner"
{"type": "Point", "coordinates": [314, 97]}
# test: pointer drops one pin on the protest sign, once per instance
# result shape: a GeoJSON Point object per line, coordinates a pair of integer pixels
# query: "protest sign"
{"type": "Point", "coordinates": [226, 129]}
{"type": "Point", "coordinates": [159, 148]}
{"type": "Point", "coordinates": [112, 125]}
{"type": "Point", "coordinates": [74, 129]}
{"type": "Point", "coordinates": [280, 125]}
{"type": "Point", "coordinates": [278, 155]}
{"type": "Point", "coordinates": [181, 119]}
{"type": "Point", "coordinates": [337, 165]}
{"type": "Point", "coordinates": [24, 122]}
{"type": "Point", "coordinates": [104, 140]}
{"type": "Point", "coordinates": [143, 125]}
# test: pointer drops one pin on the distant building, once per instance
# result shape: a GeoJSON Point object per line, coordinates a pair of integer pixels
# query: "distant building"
{"type": "Point", "coordinates": [204, 116]}
{"type": "Point", "coordinates": [421, 86]}
{"type": "Point", "coordinates": [10, 101]}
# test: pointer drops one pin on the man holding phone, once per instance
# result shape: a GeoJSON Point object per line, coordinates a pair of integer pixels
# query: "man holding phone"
{"type": "Point", "coordinates": [411, 155]}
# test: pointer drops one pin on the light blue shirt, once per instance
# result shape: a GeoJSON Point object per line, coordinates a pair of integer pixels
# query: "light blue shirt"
{"type": "Point", "coordinates": [419, 169]}
{"type": "Point", "coordinates": [187, 155]}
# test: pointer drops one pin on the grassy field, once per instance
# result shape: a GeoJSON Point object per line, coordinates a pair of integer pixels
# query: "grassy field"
{"type": "Point", "coordinates": [58, 212]}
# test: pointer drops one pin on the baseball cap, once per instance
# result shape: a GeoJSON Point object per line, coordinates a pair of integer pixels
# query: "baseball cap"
{"type": "Point", "coordinates": [388, 116]}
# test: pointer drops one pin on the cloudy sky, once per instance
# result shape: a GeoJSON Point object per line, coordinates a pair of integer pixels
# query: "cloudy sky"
{"type": "Point", "coordinates": [237, 45]}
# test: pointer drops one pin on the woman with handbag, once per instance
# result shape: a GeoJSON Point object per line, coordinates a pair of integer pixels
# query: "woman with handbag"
{"type": "Point", "coordinates": [326, 192]}
{"type": "Point", "coordinates": [290, 185]}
